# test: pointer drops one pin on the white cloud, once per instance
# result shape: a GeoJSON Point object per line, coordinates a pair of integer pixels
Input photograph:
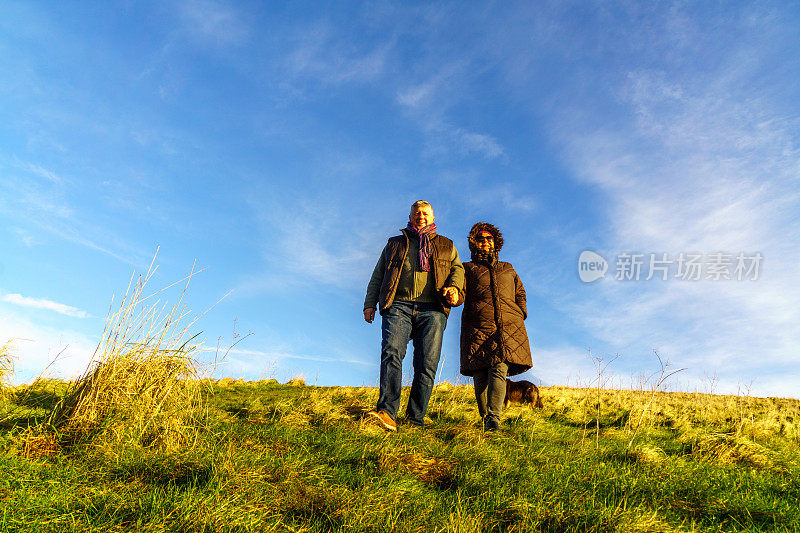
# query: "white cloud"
{"type": "Point", "coordinates": [428, 95]}
{"type": "Point", "coordinates": [42, 172]}
{"type": "Point", "coordinates": [519, 202]}
{"type": "Point", "coordinates": [323, 55]}
{"type": "Point", "coordinates": [25, 237]}
{"type": "Point", "coordinates": [700, 167]}
{"type": "Point", "coordinates": [573, 366]}
{"type": "Point", "coordinates": [31, 197]}
{"type": "Point", "coordinates": [478, 143]}
{"type": "Point", "coordinates": [73, 235]}
{"type": "Point", "coordinates": [418, 95]}
{"type": "Point", "coordinates": [326, 54]}
{"type": "Point", "coordinates": [478, 193]}
{"type": "Point", "coordinates": [311, 239]}
{"type": "Point", "coordinates": [562, 365]}
{"type": "Point", "coordinates": [313, 250]}
{"type": "Point", "coordinates": [46, 207]}
{"type": "Point", "coordinates": [277, 363]}
{"type": "Point", "coordinates": [442, 138]}
{"type": "Point", "coordinates": [278, 355]}
{"type": "Point", "coordinates": [40, 350]}
{"type": "Point", "coordinates": [429, 101]}
{"type": "Point", "coordinates": [41, 303]}
{"type": "Point", "coordinates": [214, 22]}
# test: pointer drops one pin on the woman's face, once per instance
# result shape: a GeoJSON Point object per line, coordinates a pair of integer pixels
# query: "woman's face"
{"type": "Point", "coordinates": [485, 241]}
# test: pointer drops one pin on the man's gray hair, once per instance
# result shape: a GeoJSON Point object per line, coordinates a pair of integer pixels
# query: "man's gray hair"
{"type": "Point", "coordinates": [420, 203]}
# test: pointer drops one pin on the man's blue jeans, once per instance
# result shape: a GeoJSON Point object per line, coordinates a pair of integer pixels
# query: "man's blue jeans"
{"type": "Point", "coordinates": [422, 323]}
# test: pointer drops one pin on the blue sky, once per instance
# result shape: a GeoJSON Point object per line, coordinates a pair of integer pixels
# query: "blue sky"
{"type": "Point", "coordinates": [281, 145]}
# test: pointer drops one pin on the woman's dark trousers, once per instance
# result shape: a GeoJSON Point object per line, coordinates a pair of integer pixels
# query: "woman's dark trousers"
{"type": "Point", "coordinates": [490, 393]}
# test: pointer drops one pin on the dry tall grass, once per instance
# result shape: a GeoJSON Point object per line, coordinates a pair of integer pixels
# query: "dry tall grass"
{"type": "Point", "coordinates": [6, 369]}
{"type": "Point", "coordinates": [142, 387]}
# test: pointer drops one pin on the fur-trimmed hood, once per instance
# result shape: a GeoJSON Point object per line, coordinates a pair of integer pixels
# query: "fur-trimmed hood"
{"type": "Point", "coordinates": [484, 226]}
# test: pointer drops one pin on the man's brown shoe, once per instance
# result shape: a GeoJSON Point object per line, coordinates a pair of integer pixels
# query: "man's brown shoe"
{"type": "Point", "coordinates": [383, 419]}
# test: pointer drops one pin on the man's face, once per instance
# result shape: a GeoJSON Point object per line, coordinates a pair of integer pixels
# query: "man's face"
{"type": "Point", "coordinates": [421, 216]}
{"type": "Point", "coordinates": [485, 241]}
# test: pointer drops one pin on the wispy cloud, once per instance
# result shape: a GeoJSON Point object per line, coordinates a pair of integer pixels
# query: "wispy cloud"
{"type": "Point", "coordinates": [477, 193]}
{"type": "Point", "coordinates": [305, 243]}
{"type": "Point", "coordinates": [323, 54]}
{"type": "Point", "coordinates": [443, 138]}
{"type": "Point", "coordinates": [74, 235]}
{"type": "Point", "coordinates": [469, 142]}
{"type": "Point", "coordinates": [320, 233]}
{"type": "Point", "coordinates": [42, 172]}
{"type": "Point", "coordinates": [418, 96]}
{"type": "Point", "coordinates": [42, 303]}
{"type": "Point", "coordinates": [333, 57]}
{"type": "Point", "coordinates": [700, 166]}
{"type": "Point", "coordinates": [431, 92]}
{"type": "Point", "coordinates": [429, 101]}
{"type": "Point", "coordinates": [272, 363]}
{"type": "Point", "coordinates": [64, 354]}
{"type": "Point", "coordinates": [25, 237]}
{"type": "Point", "coordinates": [47, 206]}
{"type": "Point", "coordinates": [565, 365]}
{"type": "Point", "coordinates": [214, 22]}
{"type": "Point", "coordinates": [519, 202]}
{"type": "Point", "coordinates": [277, 356]}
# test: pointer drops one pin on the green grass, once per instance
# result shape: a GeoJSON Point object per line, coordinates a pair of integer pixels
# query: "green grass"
{"type": "Point", "coordinates": [274, 457]}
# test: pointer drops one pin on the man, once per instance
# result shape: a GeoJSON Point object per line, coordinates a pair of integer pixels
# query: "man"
{"type": "Point", "coordinates": [417, 279]}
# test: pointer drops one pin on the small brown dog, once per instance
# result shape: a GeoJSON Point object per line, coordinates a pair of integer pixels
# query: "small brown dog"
{"type": "Point", "coordinates": [522, 392]}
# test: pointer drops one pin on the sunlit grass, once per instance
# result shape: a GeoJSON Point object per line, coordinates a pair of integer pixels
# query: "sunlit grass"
{"type": "Point", "coordinates": [287, 457]}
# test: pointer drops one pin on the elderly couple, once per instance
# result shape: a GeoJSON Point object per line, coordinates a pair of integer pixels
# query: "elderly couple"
{"type": "Point", "coordinates": [418, 278]}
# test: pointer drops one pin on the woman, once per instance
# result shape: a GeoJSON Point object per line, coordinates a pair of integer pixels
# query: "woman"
{"type": "Point", "coordinates": [494, 342]}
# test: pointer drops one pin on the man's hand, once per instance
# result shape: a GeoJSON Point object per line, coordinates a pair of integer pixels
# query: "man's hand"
{"type": "Point", "coordinates": [369, 314]}
{"type": "Point", "coordinates": [450, 294]}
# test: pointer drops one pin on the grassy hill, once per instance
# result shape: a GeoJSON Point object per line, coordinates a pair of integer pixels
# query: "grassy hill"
{"type": "Point", "coordinates": [263, 456]}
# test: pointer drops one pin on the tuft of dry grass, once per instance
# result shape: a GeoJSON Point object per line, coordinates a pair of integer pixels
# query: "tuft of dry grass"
{"type": "Point", "coordinates": [143, 385]}
{"type": "Point", "coordinates": [433, 471]}
{"type": "Point", "coordinates": [34, 443]}
{"type": "Point", "coordinates": [647, 454]}
{"type": "Point", "coordinates": [732, 450]}
{"type": "Point", "coordinates": [649, 523]}
{"type": "Point", "coordinates": [6, 369]}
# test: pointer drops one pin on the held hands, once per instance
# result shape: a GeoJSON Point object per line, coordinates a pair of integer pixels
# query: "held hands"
{"type": "Point", "coordinates": [450, 295]}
